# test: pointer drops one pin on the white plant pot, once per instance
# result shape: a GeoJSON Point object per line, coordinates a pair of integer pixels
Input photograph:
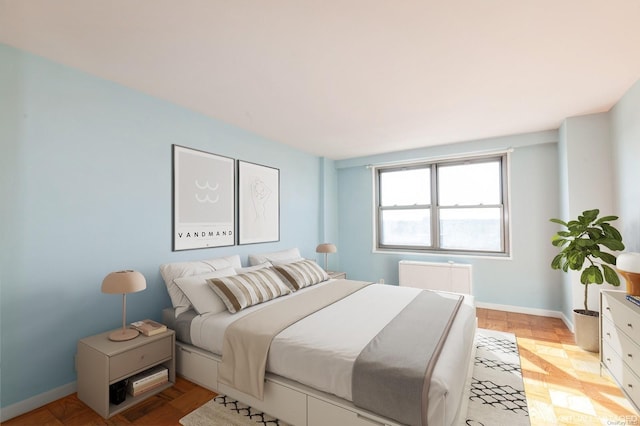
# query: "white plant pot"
{"type": "Point", "coordinates": [587, 334]}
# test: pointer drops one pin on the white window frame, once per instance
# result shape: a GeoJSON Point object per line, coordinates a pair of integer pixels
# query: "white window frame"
{"type": "Point", "coordinates": [435, 248]}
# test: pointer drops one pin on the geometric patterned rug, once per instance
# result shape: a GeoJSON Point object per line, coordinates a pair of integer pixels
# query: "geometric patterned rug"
{"type": "Point", "coordinates": [225, 411]}
{"type": "Point", "coordinates": [497, 392]}
{"type": "Point", "coordinates": [496, 397]}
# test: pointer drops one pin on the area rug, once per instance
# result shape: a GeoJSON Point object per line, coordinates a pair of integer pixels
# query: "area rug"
{"type": "Point", "coordinates": [225, 411]}
{"type": "Point", "coordinates": [497, 392]}
{"type": "Point", "coordinates": [496, 396]}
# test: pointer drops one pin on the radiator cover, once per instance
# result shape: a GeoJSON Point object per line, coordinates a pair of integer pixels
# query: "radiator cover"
{"type": "Point", "coordinates": [452, 277]}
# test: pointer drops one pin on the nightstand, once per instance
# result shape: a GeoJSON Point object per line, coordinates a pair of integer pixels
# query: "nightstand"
{"type": "Point", "coordinates": [337, 275]}
{"type": "Point", "coordinates": [101, 362]}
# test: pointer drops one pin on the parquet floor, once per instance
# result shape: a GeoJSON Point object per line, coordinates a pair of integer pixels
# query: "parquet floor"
{"type": "Point", "coordinates": [562, 382]}
{"type": "Point", "coordinates": [163, 409]}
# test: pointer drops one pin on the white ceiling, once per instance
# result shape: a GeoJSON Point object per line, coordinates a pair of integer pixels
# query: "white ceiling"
{"type": "Point", "coordinates": [346, 78]}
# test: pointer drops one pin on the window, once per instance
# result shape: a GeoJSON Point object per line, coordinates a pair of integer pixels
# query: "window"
{"type": "Point", "coordinates": [457, 206]}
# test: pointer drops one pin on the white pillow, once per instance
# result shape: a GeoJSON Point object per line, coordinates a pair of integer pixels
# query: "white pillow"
{"type": "Point", "coordinates": [287, 261]}
{"type": "Point", "coordinates": [201, 296]}
{"type": "Point", "coordinates": [253, 268]}
{"type": "Point", "coordinates": [286, 256]}
{"type": "Point", "coordinates": [171, 271]}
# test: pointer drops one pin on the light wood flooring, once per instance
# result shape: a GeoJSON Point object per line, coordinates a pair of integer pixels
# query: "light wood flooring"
{"type": "Point", "coordinates": [562, 382]}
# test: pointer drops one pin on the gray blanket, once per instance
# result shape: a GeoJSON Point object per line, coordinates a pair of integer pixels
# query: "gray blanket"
{"type": "Point", "coordinates": [391, 375]}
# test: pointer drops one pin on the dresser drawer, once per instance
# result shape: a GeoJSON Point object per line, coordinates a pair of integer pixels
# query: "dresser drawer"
{"type": "Point", "coordinates": [127, 363]}
{"type": "Point", "coordinates": [630, 383]}
{"type": "Point", "coordinates": [630, 352]}
{"type": "Point", "coordinates": [606, 306]}
{"type": "Point", "coordinates": [627, 318]}
{"type": "Point", "coordinates": [613, 362]}
{"type": "Point", "coordinates": [611, 336]}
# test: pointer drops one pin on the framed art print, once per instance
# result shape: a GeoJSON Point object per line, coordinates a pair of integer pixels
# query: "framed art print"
{"type": "Point", "coordinates": [203, 199]}
{"type": "Point", "coordinates": [258, 203]}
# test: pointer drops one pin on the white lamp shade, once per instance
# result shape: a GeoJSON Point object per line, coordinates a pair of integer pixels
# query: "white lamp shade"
{"type": "Point", "coordinates": [628, 262]}
{"type": "Point", "coordinates": [326, 248]}
{"type": "Point", "coordinates": [123, 282]}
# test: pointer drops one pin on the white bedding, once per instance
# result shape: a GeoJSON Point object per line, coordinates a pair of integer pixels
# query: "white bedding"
{"type": "Point", "coordinates": [319, 351]}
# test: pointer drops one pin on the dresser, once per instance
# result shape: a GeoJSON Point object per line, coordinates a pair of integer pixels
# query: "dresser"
{"type": "Point", "coordinates": [620, 341]}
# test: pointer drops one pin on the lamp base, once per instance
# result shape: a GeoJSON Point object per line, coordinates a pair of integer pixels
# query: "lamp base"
{"type": "Point", "coordinates": [122, 335]}
{"type": "Point", "coordinates": [633, 282]}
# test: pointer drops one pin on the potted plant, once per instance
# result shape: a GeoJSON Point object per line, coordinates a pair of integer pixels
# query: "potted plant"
{"type": "Point", "coordinates": [581, 242]}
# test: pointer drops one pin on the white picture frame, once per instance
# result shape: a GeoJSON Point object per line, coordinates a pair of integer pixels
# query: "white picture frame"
{"type": "Point", "coordinates": [203, 199]}
{"type": "Point", "coordinates": [258, 203]}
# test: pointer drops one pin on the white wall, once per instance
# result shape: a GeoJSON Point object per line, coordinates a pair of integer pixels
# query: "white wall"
{"type": "Point", "coordinates": [586, 178]}
{"type": "Point", "coordinates": [625, 133]}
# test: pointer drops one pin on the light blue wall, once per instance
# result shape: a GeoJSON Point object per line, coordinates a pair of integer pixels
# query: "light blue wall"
{"type": "Point", "coordinates": [525, 280]}
{"type": "Point", "coordinates": [86, 190]}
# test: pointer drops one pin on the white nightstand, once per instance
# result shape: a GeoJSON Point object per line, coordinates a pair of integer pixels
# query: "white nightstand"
{"type": "Point", "coordinates": [101, 362]}
{"type": "Point", "coordinates": [337, 275]}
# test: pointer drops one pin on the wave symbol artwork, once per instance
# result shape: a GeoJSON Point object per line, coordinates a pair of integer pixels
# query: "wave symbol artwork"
{"type": "Point", "coordinates": [206, 198]}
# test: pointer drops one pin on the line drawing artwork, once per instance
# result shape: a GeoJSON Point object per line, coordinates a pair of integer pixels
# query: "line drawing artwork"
{"type": "Point", "coordinates": [258, 203]}
{"type": "Point", "coordinates": [206, 198]}
{"type": "Point", "coordinates": [260, 194]}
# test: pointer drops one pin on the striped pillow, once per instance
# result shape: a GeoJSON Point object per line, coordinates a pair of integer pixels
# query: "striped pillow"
{"type": "Point", "coordinates": [302, 274]}
{"type": "Point", "coordinates": [248, 289]}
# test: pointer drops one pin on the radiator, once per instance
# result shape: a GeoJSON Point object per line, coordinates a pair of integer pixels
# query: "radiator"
{"type": "Point", "coordinates": [453, 277]}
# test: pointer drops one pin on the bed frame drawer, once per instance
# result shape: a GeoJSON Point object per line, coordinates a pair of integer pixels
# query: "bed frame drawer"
{"type": "Point", "coordinates": [323, 413]}
{"type": "Point", "coordinates": [197, 366]}
{"type": "Point", "coordinates": [280, 401]}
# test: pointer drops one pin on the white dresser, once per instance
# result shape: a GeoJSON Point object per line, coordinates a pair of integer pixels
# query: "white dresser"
{"type": "Point", "coordinates": [620, 341]}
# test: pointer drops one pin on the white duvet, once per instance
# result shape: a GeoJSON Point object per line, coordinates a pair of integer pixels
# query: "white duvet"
{"type": "Point", "coordinates": [319, 351]}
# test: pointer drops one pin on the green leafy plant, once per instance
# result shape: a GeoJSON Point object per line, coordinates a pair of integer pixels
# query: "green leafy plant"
{"type": "Point", "coordinates": [581, 242]}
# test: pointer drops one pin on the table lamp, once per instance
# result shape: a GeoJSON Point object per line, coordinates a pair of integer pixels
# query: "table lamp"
{"type": "Point", "coordinates": [123, 282]}
{"type": "Point", "coordinates": [628, 265]}
{"type": "Point", "coordinates": [326, 248]}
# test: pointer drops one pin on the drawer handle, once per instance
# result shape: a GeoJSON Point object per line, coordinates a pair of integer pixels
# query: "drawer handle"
{"type": "Point", "coordinates": [630, 385]}
{"type": "Point", "coordinates": [630, 355]}
{"type": "Point", "coordinates": [608, 359]}
{"type": "Point", "coordinates": [608, 308]}
{"type": "Point", "coordinates": [629, 325]}
{"type": "Point", "coordinates": [609, 334]}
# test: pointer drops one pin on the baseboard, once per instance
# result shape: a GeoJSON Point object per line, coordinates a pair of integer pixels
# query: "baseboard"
{"type": "Point", "coordinates": [528, 311]}
{"type": "Point", "coordinates": [30, 404]}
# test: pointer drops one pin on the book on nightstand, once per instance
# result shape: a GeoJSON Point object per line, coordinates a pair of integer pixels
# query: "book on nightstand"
{"type": "Point", "coordinates": [634, 299]}
{"type": "Point", "coordinates": [147, 380]}
{"type": "Point", "coordinates": [149, 327]}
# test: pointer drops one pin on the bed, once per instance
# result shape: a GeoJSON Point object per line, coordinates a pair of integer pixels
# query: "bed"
{"type": "Point", "coordinates": [319, 368]}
